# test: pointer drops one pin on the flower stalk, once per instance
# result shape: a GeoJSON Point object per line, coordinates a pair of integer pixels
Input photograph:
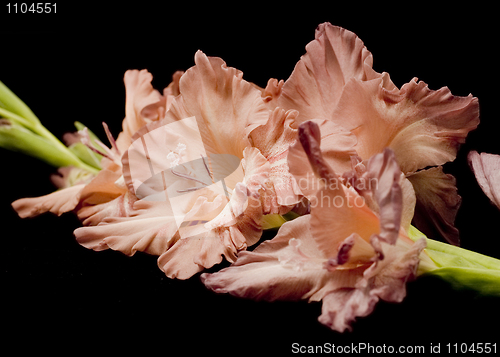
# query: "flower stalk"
{"type": "Point", "coordinates": [462, 268]}
{"type": "Point", "coordinates": [22, 131]}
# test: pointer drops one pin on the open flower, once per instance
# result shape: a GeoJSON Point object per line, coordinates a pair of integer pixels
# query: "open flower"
{"type": "Point", "coordinates": [344, 253]}
{"type": "Point", "coordinates": [205, 175]}
{"type": "Point", "coordinates": [335, 81]}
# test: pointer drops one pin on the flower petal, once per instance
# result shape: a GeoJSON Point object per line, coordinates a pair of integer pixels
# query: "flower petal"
{"type": "Point", "coordinates": [102, 188]}
{"type": "Point", "coordinates": [486, 168]}
{"type": "Point", "coordinates": [191, 255]}
{"type": "Point", "coordinates": [139, 94]}
{"type": "Point", "coordinates": [149, 228]}
{"type": "Point", "coordinates": [92, 215]}
{"type": "Point", "coordinates": [341, 307]}
{"type": "Point", "coordinates": [201, 247]}
{"type": "Point", "coordinates": [227, 108]}
{"type": "Point", "coordinates": [255, 181]}
{"type": "Point", "coordinates": [147, 155]}
{"type": "Point", "coordinates": [57, 202]}
{"type": "Point", "coordinates": [316, 84]}
{"type": "Point", "coordinates": [385, 279]}
{"type": "Point", "coordinates": [272, 92]}
{"type": "Point", "coordinates": [172, 90]}
{"type": "Point", "coordinates": [289, 267]}
{"type": "Point", "coordinates": [423, 127]}
{"type": "Point", "coordinates": [337, 148]}
{"type": "Point", "coordinates": [437, 204]}
{"type": "Point", "coordinates": [384, 171]}
{"type": "Point", "coordinates": [273, 140]}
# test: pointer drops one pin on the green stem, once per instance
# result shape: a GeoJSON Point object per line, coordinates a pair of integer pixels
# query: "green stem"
{"type": "Point", "coordinates": [25, 133]}
{"type": "Point", "coordinates": [462, 268]}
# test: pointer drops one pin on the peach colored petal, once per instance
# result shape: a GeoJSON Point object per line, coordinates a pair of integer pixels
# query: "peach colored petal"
{"type": "Point", "coordinates": [384, 280]}
{"type": "Point", "coordinates": [147, 228]}
{"type": "Point", "coordinates": [147, 155]}
{"type": "Point", "coordinates": [234, 208]}
{"type": "Point", "coordinates": [486, 168]}
{"type": "Point", "coordinates": [285, 268]}
{"type": "Point", "coordinates": [387, 278]}
{"type": "Point", "coordinates": [227, 108]}
{"type": "Point", "coordinates": [337, 148]}
{"type": "Point", "coordinates": [423, 127]}
{"type": "Point", "coordinates": [102, 188]}
{"type": "Point", "coordinates": [139, 95]}
{"type": "Point", "coordinates": [343, 212]}
{"type": "Point", "coordinates": [364, 182]}
{"type": "Point", "coordinates": [409, 203]}
{"type": "Point", "coordinates": [384, 172]}
{"type": "Point", "coordinates": [200, 248]}
{"type": "Point", "coordinates": [272, 92]}
{"type": "Point", "coordinates": [57, 202]}
{"type": "Point", "coordinates": [242, 215]}
{"type": "Point", "coordinates": [273, 140]}
{"type": "Point", "coordinates": [437, 204]}
{"type": "Point", "coordinates": [92, 215]}
{"type": "Point", "coordinates": [341, 307]}
{"type": "Point", "coordinates": [256, 169]}
{"type": "Point", "coordinates": [352, 252]}
{"type": "Point", "coordinates": [172, 90]}
{"type": "Point", "coordinates": [332, 59]}
{"type": "Point", "coordinates": [191, 255]}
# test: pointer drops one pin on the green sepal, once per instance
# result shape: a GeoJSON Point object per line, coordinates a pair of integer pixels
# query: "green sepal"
{"type": "Point", "coordinates": [86, 155]}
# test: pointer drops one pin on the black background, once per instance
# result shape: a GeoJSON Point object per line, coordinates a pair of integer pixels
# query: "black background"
{"type": "Point", "coordinates": [69, 66]}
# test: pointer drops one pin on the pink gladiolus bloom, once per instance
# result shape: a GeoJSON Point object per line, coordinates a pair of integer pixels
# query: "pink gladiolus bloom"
{"type": "Point", "coordinates": [194, 216]}
{"type": "Point", "coordinates": [349, 252]}
{"type": "Point", "coordinates": [335, 81]}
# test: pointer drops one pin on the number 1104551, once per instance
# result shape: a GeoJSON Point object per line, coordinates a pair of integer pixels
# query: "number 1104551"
{"type": "Point", "coordinates": [33, 8]}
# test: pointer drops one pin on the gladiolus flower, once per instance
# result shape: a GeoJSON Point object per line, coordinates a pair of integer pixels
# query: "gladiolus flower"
{"type": "Point", "coordinates": [344, 253]}
{"type": "Point", "coordinates": [205, 175]}
{"type": "Point", "coordinates": [335, 81]}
